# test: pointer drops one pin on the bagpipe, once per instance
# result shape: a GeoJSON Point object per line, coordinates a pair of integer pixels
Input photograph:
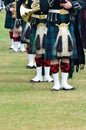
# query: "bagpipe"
{"type": "Point", "coordinates": [26, 12]}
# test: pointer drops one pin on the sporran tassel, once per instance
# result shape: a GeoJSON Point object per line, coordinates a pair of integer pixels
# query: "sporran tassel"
{"type": "Point", "coordinates": [70, 45]}
{"type": "Point", "coordinates": [28, 32]}
{"type": "Point", "coordinates": [43, 42]}
{"type": "Point", "coordinates": [59, 44]}
{"type": "Point", "coordinates": [37, 43]}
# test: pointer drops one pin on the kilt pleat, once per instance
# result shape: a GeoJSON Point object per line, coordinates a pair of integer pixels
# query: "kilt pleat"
{"type": "Point", "coordinates": [32, 38]}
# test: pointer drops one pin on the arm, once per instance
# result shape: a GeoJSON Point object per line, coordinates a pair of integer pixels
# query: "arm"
{"type": "Point", "coordinates": [75, 5]}
{"type": "Point", "coordinates": [8, 5]}
{"type": "Point", "coordinates": [78, 4]}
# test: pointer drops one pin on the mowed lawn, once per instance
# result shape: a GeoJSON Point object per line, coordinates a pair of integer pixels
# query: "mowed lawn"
{"type": "Point", "coordinates": [32, 106]}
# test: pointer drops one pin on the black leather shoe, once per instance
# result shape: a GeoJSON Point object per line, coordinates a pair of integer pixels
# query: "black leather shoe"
{"type": "Point", "coordinates": [11, 48]}
{"type": "Point", "coordinates": [48, 81]}
{"type": "Point", "coordinates": [68, 89]}
{"type": "Point", "coordinates": [53, 89]}
{"type": "Point", "coordinates": [30, 67]}
{"type": "Point", "coordinates": [33, 81]}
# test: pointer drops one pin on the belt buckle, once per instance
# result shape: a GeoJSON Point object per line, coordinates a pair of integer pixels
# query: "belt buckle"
{"type": "Point", "coordinates": [63, 11]}
{"type": "Point", "coordinates": [42, 16]}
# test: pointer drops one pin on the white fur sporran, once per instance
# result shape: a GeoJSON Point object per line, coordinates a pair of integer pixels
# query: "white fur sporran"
{"type": "Point", "coordinates": [64, 44]}
{"type": "Point", "coordinates": [41, 32]}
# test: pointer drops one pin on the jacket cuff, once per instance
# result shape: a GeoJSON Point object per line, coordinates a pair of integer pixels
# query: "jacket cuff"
{"type": "Point", "coordinates": [76, 6]}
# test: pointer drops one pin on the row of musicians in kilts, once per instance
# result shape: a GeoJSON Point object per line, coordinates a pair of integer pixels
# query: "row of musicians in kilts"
{"type": "Point", "coordinates": [18, 28]}
{"type": "Point", "coordinates": [55, 38]}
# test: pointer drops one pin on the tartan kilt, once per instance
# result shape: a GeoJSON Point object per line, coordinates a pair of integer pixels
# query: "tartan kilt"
{"type": "Point", "coordinates": [32, 38]}
{"type": "Point", "coordinates": [50, 42]}
{"type": "Point", "coordinates": [9, 21]}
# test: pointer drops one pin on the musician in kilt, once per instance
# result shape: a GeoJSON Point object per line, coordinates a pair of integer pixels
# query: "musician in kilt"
{"type": "Point", "coordinates": [60, 44]}
{"type": "Point", "coordinates": [25, 36]}
{"type": "Point", "coordinates": [78, 63]}
{"type": "Point", "coordinates": [9, 20]}
{"type": "Point", "coordinates": [37, 39]}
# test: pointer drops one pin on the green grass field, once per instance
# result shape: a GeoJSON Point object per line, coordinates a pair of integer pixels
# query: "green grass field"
{"type": "Point", "coordinates": [31, 106]}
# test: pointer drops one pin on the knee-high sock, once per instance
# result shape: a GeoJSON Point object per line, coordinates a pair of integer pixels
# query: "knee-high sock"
{"type": "Point", "coordinates": [15, 39]}
{"type": "Point", "coordinates": [65, 69]}
{"type": "Point", "coordinates": [47, 76]}
{"type": "Point", "coordinates": [55, 70]}
{"type": "Point", "coordinates": [11, 38]}
{"type": "Point", "coordinates": [39, 64]}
